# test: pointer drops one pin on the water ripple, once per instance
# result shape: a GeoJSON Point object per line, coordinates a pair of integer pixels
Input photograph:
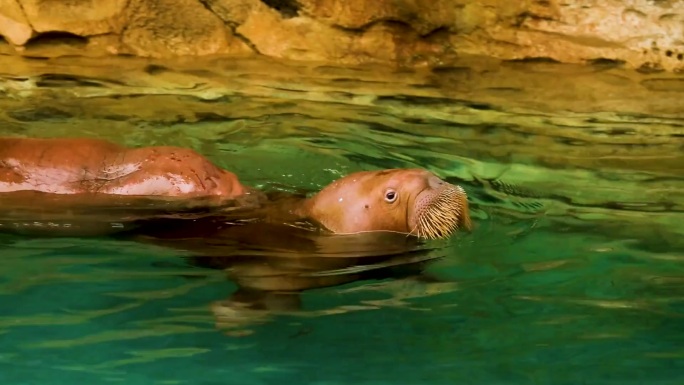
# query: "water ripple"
{"type": "Point", "coordinates": [574, 270]}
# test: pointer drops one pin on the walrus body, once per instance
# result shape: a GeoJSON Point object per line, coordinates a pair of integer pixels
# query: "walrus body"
{"type": "Point", "coordinates": [75, 166]}
{"type": "Point", "coordinates": [80, 187]}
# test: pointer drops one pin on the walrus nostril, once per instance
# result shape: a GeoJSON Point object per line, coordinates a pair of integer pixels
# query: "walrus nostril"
{"type": "Point", "coordinates": [435, 182]}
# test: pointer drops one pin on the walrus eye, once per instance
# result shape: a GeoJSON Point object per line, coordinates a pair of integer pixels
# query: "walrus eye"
{"type": "Point", "coordinates": [390, 196]}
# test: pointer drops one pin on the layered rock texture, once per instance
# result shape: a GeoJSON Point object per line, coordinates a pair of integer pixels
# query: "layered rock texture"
{"type": "Point", "coordinates": [643, 34]}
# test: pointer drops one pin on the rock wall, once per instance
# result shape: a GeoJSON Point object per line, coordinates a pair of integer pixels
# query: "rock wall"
{"type": "Point", "coordinates": [643, 34]}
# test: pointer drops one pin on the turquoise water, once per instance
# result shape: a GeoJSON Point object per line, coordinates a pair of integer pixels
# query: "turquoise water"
{"type": "Point", "coordinates": [573, 275]}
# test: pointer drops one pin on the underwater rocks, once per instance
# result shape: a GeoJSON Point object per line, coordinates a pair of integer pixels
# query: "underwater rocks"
{"type": "Point", "coordinates": [643, 34]}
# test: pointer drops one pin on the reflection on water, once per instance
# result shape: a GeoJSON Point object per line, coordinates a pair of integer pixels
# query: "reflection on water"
{"type": "Point", "coordinates": [574, 273]}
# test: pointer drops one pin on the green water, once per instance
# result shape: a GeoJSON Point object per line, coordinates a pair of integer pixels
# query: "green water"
{"type": "Point", "coordinates": [573, 275]}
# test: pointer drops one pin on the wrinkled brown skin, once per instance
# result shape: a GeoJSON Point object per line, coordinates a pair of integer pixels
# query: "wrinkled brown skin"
{"type": "Point", "coordinates": [268, 258]}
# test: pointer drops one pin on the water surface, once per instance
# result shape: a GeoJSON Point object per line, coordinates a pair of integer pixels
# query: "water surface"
{"type": "Point", "coordinates": [573, 275]}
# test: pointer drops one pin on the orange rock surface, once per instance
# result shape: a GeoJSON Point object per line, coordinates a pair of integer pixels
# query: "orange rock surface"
{"type": "Point", "coordinates": [643, 34]}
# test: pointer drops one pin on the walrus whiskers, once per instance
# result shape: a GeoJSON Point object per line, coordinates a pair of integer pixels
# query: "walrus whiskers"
{"type": "Point", "coordinates": [442, 216]}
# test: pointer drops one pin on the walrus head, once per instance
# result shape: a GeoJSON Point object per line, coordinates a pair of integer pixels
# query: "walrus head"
{"type": "Point", "coordinates": [411, 201]}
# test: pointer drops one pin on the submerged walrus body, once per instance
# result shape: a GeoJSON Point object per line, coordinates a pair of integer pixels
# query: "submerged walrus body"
{"type": "Point", "coordinates": [272, 265]}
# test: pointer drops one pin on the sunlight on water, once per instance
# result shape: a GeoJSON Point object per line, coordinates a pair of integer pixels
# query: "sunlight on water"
{"type": "Point", "coordinates": [573, 275]}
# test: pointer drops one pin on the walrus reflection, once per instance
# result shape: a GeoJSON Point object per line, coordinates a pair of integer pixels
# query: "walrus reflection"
{"type": "Point", "coordinates": [272, 264]}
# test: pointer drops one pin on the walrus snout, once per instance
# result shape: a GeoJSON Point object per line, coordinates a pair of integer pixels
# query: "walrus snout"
{"type": "Point", "coordinates": [439, 210]}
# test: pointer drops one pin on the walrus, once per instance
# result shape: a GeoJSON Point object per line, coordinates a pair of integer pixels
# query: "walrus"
{"type": "Point", "coordinates": [408, 201]}
{"type": "Point", "coordinates": [365, 224]}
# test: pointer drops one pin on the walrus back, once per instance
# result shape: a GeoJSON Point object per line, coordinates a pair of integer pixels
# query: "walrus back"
{"type": "Point", "coordinates": [83, 165]}
{"type": "Point", "coordinates": [52, 165]}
